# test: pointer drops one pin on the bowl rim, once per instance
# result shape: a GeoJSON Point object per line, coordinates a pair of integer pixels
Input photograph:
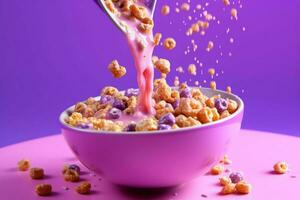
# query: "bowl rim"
{"type": "Point", "coordinates": [239, 111]}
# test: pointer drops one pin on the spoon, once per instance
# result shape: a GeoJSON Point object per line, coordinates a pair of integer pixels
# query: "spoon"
{"type": "Point", "coordinates": [150, 4]}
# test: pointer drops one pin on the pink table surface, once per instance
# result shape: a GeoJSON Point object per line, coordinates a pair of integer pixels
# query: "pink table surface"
{"type": "Point", "coordinates": [253, 153]}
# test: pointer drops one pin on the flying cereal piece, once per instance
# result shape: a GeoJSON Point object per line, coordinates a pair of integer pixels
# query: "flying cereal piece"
{"type": "Point", "coordinates": [226, 2]}
{"type": "Point", "coordinates": [210, 46]}
{"type": "Point", "coordinates": [234, 13]}
{"type": "Point", "coordinates": [165, 10]}
{"type": "Point", "coordinates": [192, 69]}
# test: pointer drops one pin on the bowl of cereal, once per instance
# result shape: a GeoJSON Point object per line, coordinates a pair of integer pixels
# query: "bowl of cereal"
{"type": "Point", "coordinates": [187, 135]}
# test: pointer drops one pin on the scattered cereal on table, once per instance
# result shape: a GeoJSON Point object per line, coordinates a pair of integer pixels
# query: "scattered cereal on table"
{"type": "Point", "coordinates": [84, 188]}
{"type": "Point", "coordinates": [216, 170]}
{"type": "Point", "coordinates": [43, 189]}
{"type": "Point", "coordinates": [228, 189]}
{"type": "Point", "coordinates": [281, 167]}
{"type": "Point", "coordinates": [243, 187]}
{"type": "Point", "coordinates": [224, 180]}
{"type": "Point", "coordinates": [23, 165]}
{"type": "Point", "coordinates": [36, 173]}
{"type": "Point", "coordinates": [236, 177]}
{"type": "Point", "coordinates": [71, 175]}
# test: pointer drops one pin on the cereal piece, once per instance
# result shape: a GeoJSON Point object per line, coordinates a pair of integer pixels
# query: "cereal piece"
{"type": "Point", "coordinates": [210, 46]}
{"type": "Point", "coordinates": [111, 7]}
{"type": "Point", "coordinates": [154, 59]}
{"type": "Point", "coordinates": [80, 107]}
{"type": "Point", "coordinates": [176, 81]}
{"type": "Point", "coordinates": [213, 85]}
{"type": "Point", "coordinates": [138, 12]}
{"type": "Point", "coordinates": [114, 113]}
{"type": "Point", "coordinates": [71, 175]}
{"type": "Point", "coordinates": [71, 167]}
{"type": "Point", "coordinates": [36, 173]}
{"type": "Point", "coordinates": [228, 89]}
{"type": "Point", "coordinates": [163, 108]}
{"type": "Point", "coordinates": [111, 91]}
{"type": "Point", "coordinates": [226, 2]}
{"type": "Point", "coordinates": [210, 102]}
{"type": "Point", "coordinates": [163, 65]}
{"type": "Point", "coordinates": [109, 125]}
{"type": "Point", "coordinates": [168, 119]}
{"type": "Point", "coordinates": [43, 189]}
{"type": "Point", "coordinates": [116, 70]}
{"type": "Point", "coordinates": [216, 170]}
{"type": "Point", "coordinates": [221, 105]}
{"type": "Point", "coordinates": [195, 28]}
{"type": "Point", "coordinates": [243, 187]}
{"type": "Point", "coordinates": [224, 180]}
{"type": "Point", "coordinates": [205, 115]}
{"type": "Point", "coordinates": [179, 69]}
{"type": "Point", "coordinates": [164, 127]}
{"type": "Point", "coordinates": [233, 13]}
{"type": "Point", "coordinates": [84, 188]}
{"type": "Point", "coordinates": [23, 165]}
{"type": "Point", "coordinates": [75, 118]}
{"type": "Point", "coordinates": [226, 160]}
{"type": "Point", "coordinates": [169, 43]}
{"type": "Point", "coordinates": [224, 114]}
{"type": "Point", "coordinates": [183, 121]}
{"type": "Point", "coordinates": [189, 107]}
{"type": "Point", "coordinates": [192, 69]}
{"type": "Point", "coordinates": [236, 177]}
{"type": "Point", "coordinates": [211, 71]}
{"type": "Point", "coordinates": [165, 10]}
{"type": "Point", "coordinates": [156, 40]}
{"type": "Point", "coordinates": [232, 106]}
{"type": "Point", "coordinates": [228, 189]}
{"type": "Point", "coordinates": [216, 115]}
{"type": "Point", "coordinates": [148, 124]}
{"type": "Point", "coordinates": [185, 7]}
{"type": "Point", "coordinates": [280, 167]}
{"type": "Point", "coordinates": [198, 6]}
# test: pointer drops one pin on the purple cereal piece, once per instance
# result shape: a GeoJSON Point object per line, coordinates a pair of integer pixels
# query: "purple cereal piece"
{"type": "Point", "coordinates": [85, 125]}
{"type": "Point", "coordinates": [164, 127]}
{"type": "Point", "coordinates": [131, 92]}
{"type": "Point", "coordinates": [236, 177]}
{"type": "Point", "coordinates": [168, 119]}
{"type": "Point", "coordinates": [119, 104]}
{"type": "Point", "coordinates": [221, 105]}
{"type": "Point", "coordinates": [75, 168]}
{"type": "Point", "coordinates": [114, 113]}
{"type": "Point", "coordinates": [106, 99]}
{"type": "Point", "coordinates": [130, 127]}
{"type": "Point", "coordinates": [175, 104]}
{"type": "Point", "coordinates": [185, 93]}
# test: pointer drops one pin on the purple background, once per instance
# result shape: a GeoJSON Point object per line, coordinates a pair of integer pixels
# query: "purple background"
{"type": "Point", "coordinates": [55, 53]}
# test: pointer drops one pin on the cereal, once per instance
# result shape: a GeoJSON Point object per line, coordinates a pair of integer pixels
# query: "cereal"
{"type": "Point", "coordinates": [183, 121]}
{"type": "Point", "coordinates": [226, 2]}
{"type": "Point", "coordinates": [36, 173]}
{"type": "Point", "coordinates": [216, 170]}
{"type": "Point", "coordinates": [43, 189]}
{"type": "Point", "coordinates": [226, 160]}
{"type": "Point", "coordinates": [84, 188]}
{"type": "Point", "coordinates": [243, 187]}
{"type": "Point", "coordinates": [163, 65]}
{"type": "Point", "coordinates": [165, 10]}
{"type": "Point", "coordinates": [280, 167]}
{"type": "Point", "coordinates": [192, 69]}
{"type": "Point", "coordinates": [236, 177]}
{"type": "Point", "coordinates": [232, 106]}
{"type": "Point", "coordinates": [221, 105]}
{"type": "Point", "coordinates": [228, 89]}
{"type": "Point", "coordinates": [224, 114]}
{"type": "Point", "coordinates": [169, 43]}
{"type": "Point", "coordinates": [23, 165]}
{"type": "Point", "coordinates": [71, 175]}
{"type": "Point", "coordinates": [116, 70]}
{"type": "Point", "coordinates": [138, 12]}
{"type": "Point", "coordinates": [228, 189]}
{"type": "Point", "coordinates": [156, 39]}
{"type": "Point", "coordinates": [213, 85]}
{"type": "Point", "coordinates": [234, 13]}
{"type": "Point", "coordinates": [210, 46]}
{"type": "Point", "coordinates": [71, 167]}
{"type": "Point", "coordinates": [211, 71]}
{"type": "Point", "coordinates": [185, 7]}
{"type": "Point", "coordinates": [224, 180]}
{"type": "Point", "coordinates": [205, 115]}
{"type": "Point", "coordinates": [148, 124]}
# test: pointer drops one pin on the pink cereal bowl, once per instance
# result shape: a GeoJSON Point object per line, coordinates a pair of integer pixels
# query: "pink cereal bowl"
{"type": "Point", "coordinates": [155, 159]}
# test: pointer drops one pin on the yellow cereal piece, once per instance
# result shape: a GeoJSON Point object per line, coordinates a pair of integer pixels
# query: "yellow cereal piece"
{"type": "Point", "coordinates": [138, 12]}
{"type": "Point", "coordinates": [228, 189]}
{"type": "Point", "coordinates": [163, 65]}
{"type": "Point", "coordinates": [281, 167]}
{"type": "Point", "coordinates": [183, 121]}
{"type": "Point", "coordinates": [192, 69]}
{"type": "Point", "coordinates": [226, 160]}
{"type": "Point", "coordinates": [243, 187]}
{"type": "Point", "coordinates": [224, 180]}
{"type": "Point", "coordinates": [36, 173]}
{"type": "Point", "coordinates": [216, 169]}
{"type": "Point", "coordinates": [234, 13]}
{"type": "Point", "coordinates": [148, 124]}
{"type": "Point", "coordinates": [224, 114]}
{"type": "Point", "coordinates": [210, 46]}
{"type": "Point", "coordinates": [205, 115]}
{"type": "Point", "coordinates": [211, 71]}
{"type": "Point", "coordinates": [228, 89]}
{"type": "Point", "coordinates": [112, 91]}
{"type": "Point", "coordinates": [116, 70]}
{"type": "Point", "coordinates": [75, 118]}
{"type": "Point", "coordinates": [226, 2]}
{"type": "Point", "coordinates": [157, 38]}
{"type": "Point", "coordinates": [169, 43]}
{"type": "Point", "coordinates": [43, 189]}
{"type": "Point", "coordinates": [23, 165]}
{"type": "Point", "coordinates": [216, 115]}
{"type": "Point", "coordinates": [213, 85]}
{"type": "Point", "coordinates": [84, 188]}
{"type": "Point", "coordinates": [165, 10]}
{"type": "Point", "coordinates": [232, 106]}
{"type": "Point", "coordinates": [185, 7]}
